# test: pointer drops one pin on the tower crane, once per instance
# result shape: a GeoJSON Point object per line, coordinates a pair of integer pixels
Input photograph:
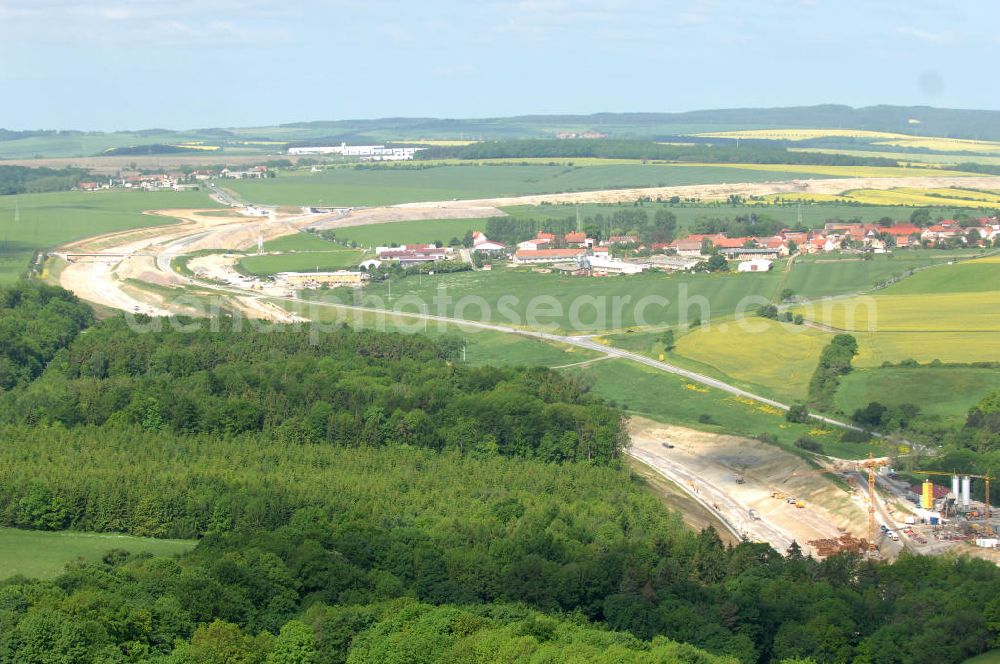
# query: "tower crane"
{"type": "Point", "coordinates": [871, 464]}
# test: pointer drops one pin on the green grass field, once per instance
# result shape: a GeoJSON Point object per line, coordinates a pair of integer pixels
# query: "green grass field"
{"type": "Point", "coordinates": [960, 297]}
{"type": "Point", "coordinates": [823, 275]}
{"type": "Point", "coordinates": [943, 393]}
{"type": "Point", "coordinates": [669, 398]}
{"type": "Point", "coordinates": [38, 554]}
{"type": "Point", "coordinates": [577, 304]}
{"type": "Point", "coordinates": [438, 231]}
{"type": "Point", "coordinates": [354, 187]}
{"type": "Point", "coordinates": [943, 313]}
{"type": "Point", "coordinates": [778, 356]}
{"type": "Point", "coordinates": [300, 241]}
{"type": "Point", "coordinates": [47, 220]}
{"type": "Point", "coordinates": [309, 261]}
{"type": "Point", "coordinates": [991, 657]}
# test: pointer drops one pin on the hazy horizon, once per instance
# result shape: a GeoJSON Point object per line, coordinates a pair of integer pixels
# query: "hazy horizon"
{"type": "Point", "coordinates": [134, 64]}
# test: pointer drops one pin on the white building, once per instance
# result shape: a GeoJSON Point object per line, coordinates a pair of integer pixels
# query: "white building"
{"type": "Point", "coordinates": [755, 265]}
{"type": "Point", "coordinates": [671, 262]}
{"type": "Point", "coordinates": [529, 256]}
{"type": "Point", "coordinates": [364, 152]}
{"type": "Point", "coordinates": [614, 266]}
{"type": "Point", "coordinates": [482, 243]}
{"type": "Point", "coordinates": [534, 244]}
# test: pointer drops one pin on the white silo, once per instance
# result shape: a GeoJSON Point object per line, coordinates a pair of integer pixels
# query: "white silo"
{"type": "Point", "coordinates": [966, 490]}
{"type": "Point", "coordinates": [954, 487]}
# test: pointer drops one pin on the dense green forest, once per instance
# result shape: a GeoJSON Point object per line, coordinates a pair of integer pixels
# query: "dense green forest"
{"type": "Point", "coordinates": [25, 180]}
{"type": "Point", "coordinates": [747, 152]}
{"type": "Point", "coordinates": [364, 497]}
{"type": "Point", "coordinates": [342, 387]}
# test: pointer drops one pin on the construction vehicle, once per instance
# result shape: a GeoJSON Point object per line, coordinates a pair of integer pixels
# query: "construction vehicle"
{"type": "Point", "coordinates": [739, 479]}
{"type": "Point", "coordinates": [754, 514]}
{"type": "Point", "coordinates": [800, 504]}
{"type": "Point", "coordinates": [778, 494]}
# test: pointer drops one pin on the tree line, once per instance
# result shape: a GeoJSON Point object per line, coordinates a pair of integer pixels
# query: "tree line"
{"type": "Point", "coordinates": [342, 387]}
{"type": "Point", "coordinates": [33, 180]}
{"type": "Point", "coordinates": [660, 227]}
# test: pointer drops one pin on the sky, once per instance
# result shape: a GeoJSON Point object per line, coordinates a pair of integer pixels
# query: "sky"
{"type": "Point", "coordinates": [178, 64]}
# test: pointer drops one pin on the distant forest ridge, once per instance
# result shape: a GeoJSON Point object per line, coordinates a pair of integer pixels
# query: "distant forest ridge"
{"type": "Point", "coordinates": [922, 120]}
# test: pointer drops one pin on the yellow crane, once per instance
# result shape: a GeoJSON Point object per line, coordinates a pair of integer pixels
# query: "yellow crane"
{"type": "Point", "coordinates": [871, 464]}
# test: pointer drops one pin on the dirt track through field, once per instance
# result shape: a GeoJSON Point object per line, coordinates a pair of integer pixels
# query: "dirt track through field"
{"type": "Point", "coordinates": [723, 191]}
{"type": "Point", "coordinates": [706, 465]}
{"type": "Point", "coordinates": [98, 281]}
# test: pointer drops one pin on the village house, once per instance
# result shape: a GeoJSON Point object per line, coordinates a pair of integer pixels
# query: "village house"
{"type": "Point", "coordinates": [482, 243]}
{"type": "Point", "coordinates": [535, 244]}
{"type": "Point", "coordinates": [904, 234]}
{"type": "Point", "coordinates": [687, 247]}
{"type": "Point", "coordinates": [248, 174]}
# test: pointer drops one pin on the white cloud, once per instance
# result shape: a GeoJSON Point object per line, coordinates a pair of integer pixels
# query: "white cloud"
{"type": "Point", "coordinates": [148, 22]}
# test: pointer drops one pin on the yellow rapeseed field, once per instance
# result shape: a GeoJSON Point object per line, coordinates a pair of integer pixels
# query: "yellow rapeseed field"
{"type": "Point", "coordinates": [904, 196]}
{"type": "Point", "coordinates": [801, 134]}
{"type": "Point", "coordinates": [778, 355]}
{"type": "Point", "coordinates": [936, 143]}
{"type": "Point", "coordinates": [197, 146]}
{"type": "Point", "coordinates": [846, 171]}
{"type": "Point", "coordinates": [942, 144]}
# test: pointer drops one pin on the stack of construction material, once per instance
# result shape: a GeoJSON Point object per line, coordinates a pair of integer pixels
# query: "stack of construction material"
{"type": "Point", "coordinates": [829, 547]}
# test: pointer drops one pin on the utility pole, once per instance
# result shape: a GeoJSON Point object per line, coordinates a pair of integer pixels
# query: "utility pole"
{"type": "Point", "coordinates": [464, 344]}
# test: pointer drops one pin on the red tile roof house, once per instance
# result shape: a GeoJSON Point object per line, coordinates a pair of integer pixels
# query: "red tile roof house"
{"type": "Point", "coordinates": [575, 239]}
{"type": "Point", "coordinates": [942, 231]}
{"type": "Point", "coordinates": [903, 234]}
{"type": "Point", "coordinates": [733, 242]}
{"type": "Point", "coordinates": [687, 247]}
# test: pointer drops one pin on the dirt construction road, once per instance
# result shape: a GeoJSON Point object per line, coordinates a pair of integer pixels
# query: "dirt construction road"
{"type": "Point", "coordinates": [707, 465]}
